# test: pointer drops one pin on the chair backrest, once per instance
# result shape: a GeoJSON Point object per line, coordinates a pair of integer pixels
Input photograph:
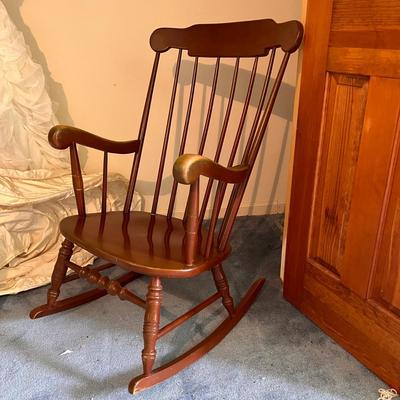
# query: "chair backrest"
{"type": "Point", "coordinates": [250, 39]}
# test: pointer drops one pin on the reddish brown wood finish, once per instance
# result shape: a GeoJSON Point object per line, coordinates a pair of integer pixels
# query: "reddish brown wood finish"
{"type": "Point", "coordinates": [142, 133]}
{"type": "Point", "coordinates": [60, 270]}
{"type": "Point", "coordinates": [62, 136]}
{"type": "Point", "coordinates": [166, 371]}
{"type": "Point", "coordinates": [223, 288]}
{"type": "Point", "coordinates": [184, 135]}
{"type": "Point", "coordinates": [167, 135]}
{"type": "Point", "coordinates": [150, 245]}
{"type": "Point", "coordinates": [184, 317]}
{"type": "Point", "coordinates": [83, 298]}
{"type": "Point", "coordinates": [235, 39]}
{"type": "Point", "coordinates": [111, 286]}
{"type": "Point", "coordinates": [342, 259]}
{"type": "Point", "coordinates": [163, 246]}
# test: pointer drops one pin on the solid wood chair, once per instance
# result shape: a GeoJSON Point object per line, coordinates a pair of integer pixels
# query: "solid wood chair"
{"type": "Point", "coordinates": [158, 246]}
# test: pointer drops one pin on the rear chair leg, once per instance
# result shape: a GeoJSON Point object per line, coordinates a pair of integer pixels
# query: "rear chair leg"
{"type": "Point", "coordinates": [151, 324]}
{"type": "Point", "coordinates": [59, 272]}
{"type": "Point", "coordinates": [223, 287]}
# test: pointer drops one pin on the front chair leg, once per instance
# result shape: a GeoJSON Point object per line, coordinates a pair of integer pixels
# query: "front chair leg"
{"type": "Point", "coordinates": [151, 324]}
{"type": "Point", "coordinates": [59, 272]}
{"type": "Point", "coordinates": [223, 287]}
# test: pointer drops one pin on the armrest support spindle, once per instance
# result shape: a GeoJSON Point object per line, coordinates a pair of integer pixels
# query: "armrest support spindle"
{"type": "Point", "coordinates": [188, 168]}
{"type": "Point", "coordinates": [77, 181]}
{"type": "Point", "coordinates": [191, 223]}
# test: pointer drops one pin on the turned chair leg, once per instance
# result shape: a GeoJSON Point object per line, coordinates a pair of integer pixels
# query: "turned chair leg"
{"type": "Point", "coordinates": [59, 272]}
{"type": "Point", "coordinates": [151, 324]}
{"type": "Point", "coordinates": [222, 285]}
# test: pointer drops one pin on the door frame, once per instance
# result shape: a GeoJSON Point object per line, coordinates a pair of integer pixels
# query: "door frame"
{"type": "Point", "coordinates": [312, 84]}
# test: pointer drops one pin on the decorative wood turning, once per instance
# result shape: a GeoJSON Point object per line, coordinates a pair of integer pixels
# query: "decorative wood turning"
{"type": "Point", "coordinates": [158, 246]}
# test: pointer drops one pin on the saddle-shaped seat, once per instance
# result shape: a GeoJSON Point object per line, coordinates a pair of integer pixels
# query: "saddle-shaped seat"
{"type": "Point", "coordinates": [147, 244]}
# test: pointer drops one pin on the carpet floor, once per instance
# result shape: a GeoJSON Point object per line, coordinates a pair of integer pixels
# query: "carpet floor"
{"type": "Point", "coordinates": [93, 351]}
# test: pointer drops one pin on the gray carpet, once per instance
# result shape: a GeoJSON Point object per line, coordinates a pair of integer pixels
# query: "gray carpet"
{"type": "Point", "coordinates": [274, 352]}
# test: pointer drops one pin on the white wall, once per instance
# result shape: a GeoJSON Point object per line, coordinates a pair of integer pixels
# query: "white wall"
{"type": "Point", "coordinates": [96, 57]}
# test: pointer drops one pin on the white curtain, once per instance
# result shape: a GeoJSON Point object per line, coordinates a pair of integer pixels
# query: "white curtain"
{"type": "Point", "coordinates": [35, 182]}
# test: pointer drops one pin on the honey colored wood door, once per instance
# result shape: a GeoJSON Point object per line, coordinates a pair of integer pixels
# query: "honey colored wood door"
{"type": "Point", "coordinates": [343, 244]}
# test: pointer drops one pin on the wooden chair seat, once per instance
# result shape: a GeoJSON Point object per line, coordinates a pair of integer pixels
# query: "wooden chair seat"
{"type": "Point", "coordinates": [146, 244]}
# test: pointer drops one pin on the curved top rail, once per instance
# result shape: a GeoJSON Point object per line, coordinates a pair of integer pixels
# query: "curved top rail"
{"type": "Point", "coordinates": [233, 39]}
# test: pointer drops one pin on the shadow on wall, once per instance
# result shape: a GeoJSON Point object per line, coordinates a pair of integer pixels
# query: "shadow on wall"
{"type": "Point", "coordinates": [283, 108]}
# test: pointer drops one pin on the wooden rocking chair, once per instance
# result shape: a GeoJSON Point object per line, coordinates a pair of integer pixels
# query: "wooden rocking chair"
{"type": "Point", "coordinates": [158, 246]}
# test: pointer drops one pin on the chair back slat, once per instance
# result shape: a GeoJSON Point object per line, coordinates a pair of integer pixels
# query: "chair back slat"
{"type": "Point", "coordinates": [261, 103]}
{"type": "Point", "coordinates": [142, 133]}
{"type": "Point", "coordinates": [166, 136]}
{"type": "Point", "coordinates": [256, 143]}
{"type": "Point", "coordinates": [192, 225]}
{"type": "Point", "coordinates": [184, 134]}
{"type": "Point", "coordinates": [252, 40]}
{"type": "Point", "coordinates": [104, 184]}
{"type": "Point", "coordinates": [244, 113]}
{"type": "Point", "coordinates": [219, 196]}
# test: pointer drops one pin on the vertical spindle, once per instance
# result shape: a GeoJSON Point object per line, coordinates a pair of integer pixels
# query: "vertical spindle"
{"type": "Point", "coordinates": [221, 185]}
{"type": "Point", "coordinates": [77, 181]}
{"type": "Point", "coordinates": [252, 155]}
{"type": "Point", "coordinates": [166, 136]}
{"type": "Point", "coordinates": [142, 133]}
{"type": "Point", "coordinates": [210, 108]}
{"type": "Point", "coordinates": [221, 138]}
{"type": "Point", "coordinates": [251, 137]}
{"type": "Point", "coordinates": [184, 134]}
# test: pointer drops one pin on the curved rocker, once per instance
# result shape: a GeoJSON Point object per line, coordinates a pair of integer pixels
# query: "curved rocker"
{"type": "Point", "coordinates": [143, 381]}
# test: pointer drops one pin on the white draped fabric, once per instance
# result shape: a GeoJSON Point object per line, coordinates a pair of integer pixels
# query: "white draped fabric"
{"type": "Point", "coordinates": [35, 181]}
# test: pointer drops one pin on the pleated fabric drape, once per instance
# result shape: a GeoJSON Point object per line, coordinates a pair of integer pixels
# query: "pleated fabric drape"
{"type": "Point", "coordinates": [35, 180]}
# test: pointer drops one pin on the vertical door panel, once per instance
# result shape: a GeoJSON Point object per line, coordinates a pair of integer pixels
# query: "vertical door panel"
{"type": "Point", "coordinates": [343, 241]}
{"type": "Point", "coordinates": [340, 137]}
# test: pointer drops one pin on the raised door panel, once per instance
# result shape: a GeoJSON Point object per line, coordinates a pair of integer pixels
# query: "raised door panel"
{"type": "Point", "coordinates": [346, 97]}
{"type": "Point", "coordinates": [343, 242]}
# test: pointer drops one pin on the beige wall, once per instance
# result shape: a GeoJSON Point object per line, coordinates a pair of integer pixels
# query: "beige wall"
{"type": "Point", "coordinates": [97, 60]}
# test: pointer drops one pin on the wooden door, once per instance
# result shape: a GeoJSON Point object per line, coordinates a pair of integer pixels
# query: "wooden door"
{"type": "Point", "coordinates": [343, 245]}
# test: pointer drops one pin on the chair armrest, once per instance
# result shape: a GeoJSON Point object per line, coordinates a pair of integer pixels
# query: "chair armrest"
{"type": "Point", "coordinates": [62, 137]}
{"type": "Point", "coordinates": [188, 168]}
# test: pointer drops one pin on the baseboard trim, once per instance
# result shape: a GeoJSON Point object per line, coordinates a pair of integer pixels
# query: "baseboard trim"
{"type": "Point", "coordinates": [247, 209]}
